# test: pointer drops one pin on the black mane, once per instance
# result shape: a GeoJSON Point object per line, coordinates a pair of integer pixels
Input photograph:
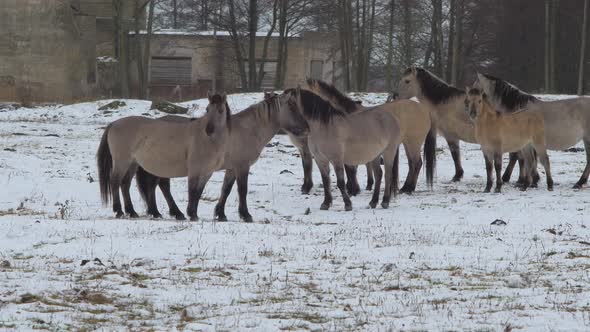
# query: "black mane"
{"type": "Point", "coordinates": [510, 97]}
{"type": "Point", "coordinates": [433, 88]}
{"type": "Point", "coordinates": [316, 108]}
{"type": "Point", "coordinates": [347, 103]}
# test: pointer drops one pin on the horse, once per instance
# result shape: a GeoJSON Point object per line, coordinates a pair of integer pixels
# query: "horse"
{"type": "Point", "coordinates": [164, 148]}
{"type": "Point", "coordinates": [499, 132]}
{"type": "Point", "coordinates": [415, 125]}
{"type": "Point", "coordinates": [446, 105]}
{"type": "Point", "coordinates": [243, 149]}
{"type": "Point", "coordinates": [566, 121]}
{"type": "Point", "coordinates": [340, 138]}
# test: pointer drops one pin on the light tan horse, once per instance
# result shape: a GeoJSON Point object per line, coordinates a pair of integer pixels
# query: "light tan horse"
{"type": "Point", "coordinates": [243, 149]}
{"type": "Point", "coordinates": [446, 105]}
{"type": "Point", "coordinates": [341, 138]}
{"type": "Point", "coordinates": [415, 128]}
{"type": "Point", "coordinates": [166, 149]}
{"type": "Point", "coordinates": [566, 121]}
{"type": "Point", "coordinates": [498, 133]}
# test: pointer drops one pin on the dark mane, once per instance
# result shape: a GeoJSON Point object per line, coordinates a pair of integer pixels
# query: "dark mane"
{"type": "Point", "coordinates": [433, 88]}
{"type": "Point", "coordinates": [217, 99]}
{"type": "Point", "coordinates": [510, 96]}
{"type": "Point", "coordinates": [316, 108]}
{"type": "Point", "coordinates": [348, 105]}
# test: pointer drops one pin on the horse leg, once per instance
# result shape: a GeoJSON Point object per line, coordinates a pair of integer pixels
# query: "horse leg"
{"type": "Point", "coordinates": [146, 184]}
{"type": "Point", "coordinates": [370, 179]}
{"type": "Point", "coordinates": [489, 167]}
{"type": "Point", "coordinates": [307, 162]}
{"type": "Point", "coordinates": [388, 157]}
{"type": "Point", "coordinates": [513, 158]}
{"type": "Point", "coordinates": [584, 178]}
{"type": "Point", "coordinates": [242, 180]}
{"type": "Point", "coordinates": [339, 170]}
{"type": "Point", "coordinates": [456, 154]}
{"type": "Point", "coordinates": [376, 169]}
{"type": "Point", "coordinates": [352, 184]}
{"type": "Point", "coordinates": [120, 168]}
{"type": "Point", "coordinates": [414, 167]}
{"type": "Point", "coordinates": [196, 184]}
{"type": "Point", "coordinates": [228, 183]}
{"type": "Point", "coordinates": [544, 159]}
{"type": "Point", "coordinates": [173, 209]}
{"type": "Point", "coordinates": [125, 186]}
{"type": "Point", "coordinates": [498, 167]}
{"type": "Point", "coordinates": [324, 167]}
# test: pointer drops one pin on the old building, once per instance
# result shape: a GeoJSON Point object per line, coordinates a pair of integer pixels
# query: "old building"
{"type": "Point", "coordinates": [186, 65]}
{"type": "Point", "coordinates": [66, 50]}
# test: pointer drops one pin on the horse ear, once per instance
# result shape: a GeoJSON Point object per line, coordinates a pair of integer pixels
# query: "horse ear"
{"type": "Point", "coordinates": [484, 95]}
{"type": "Point", "coordinates": [209, 96]}
{"type": "Point", "coordinates": [413, 68]}
{"type": "Point", "coordinates": [466, 90]}
{"type": "Point", "coordinates": [223, 97]}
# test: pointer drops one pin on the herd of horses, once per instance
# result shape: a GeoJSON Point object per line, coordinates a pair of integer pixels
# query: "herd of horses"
{"type": "Point", "coordinates": [329, 127]}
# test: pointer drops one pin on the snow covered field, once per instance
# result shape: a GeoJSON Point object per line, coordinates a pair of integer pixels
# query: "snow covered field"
{"type": "Point", "coordinates": [433, 261]}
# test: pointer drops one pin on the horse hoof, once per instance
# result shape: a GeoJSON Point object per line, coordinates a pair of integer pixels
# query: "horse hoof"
{"type": "Point", "coordinates": [247, 219]}
{"type": "Point", "coordinates": [456, 178]}
{"type": "Point", "coordinates": [505, 179]}
{"type": "Point", "coordinates": [373, 205]}
{"type": "Point", "coordinates": [324, 206]}
{"type": "Point", "coordinates": [369, 187]}
{"type": "Point", "coordinates": [385, 205]}
{"type": "Point", "coordinates": [306, 189]}
{"type": "Point", "coordinates": [354, 192]}
{"type": "Point", "coordinates": [550, 188]}
{"type": "Point", "coordinates": [119, 215]}
{"type": "Point", "coordinates": [221, 218]}
{"type": "Point", "coordinates": [156, 215]}
{"type": "Point", "coordinates": [180, 217]}
{"type": "Point", "coordinates": [347, 207]}
{"type": "Point", "coordinates": [406, 190]}
{"type": "Point", "coordinates": [578, 186]}
{"type": "Point", "coordinates": [487, 190]}
{"type": "Point", "coordinates": [195, 218]}
{"type": "Point", "coordinates": [133, 215]}
{"type": "Point", "coordinates": [498, 190]}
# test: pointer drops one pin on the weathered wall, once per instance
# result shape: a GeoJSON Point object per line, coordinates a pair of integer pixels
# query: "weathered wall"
{"type": "Point", "coordinates": [212, 57]}
{"type": "Point", "coordinates": [46, 52]}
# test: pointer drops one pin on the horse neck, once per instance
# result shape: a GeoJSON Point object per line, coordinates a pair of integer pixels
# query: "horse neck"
{"type": "Point", "coordinates": [267, 121]}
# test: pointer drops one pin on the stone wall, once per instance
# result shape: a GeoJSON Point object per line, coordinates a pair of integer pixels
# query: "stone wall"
{"type": "Point", "coordinates": [46, 52]}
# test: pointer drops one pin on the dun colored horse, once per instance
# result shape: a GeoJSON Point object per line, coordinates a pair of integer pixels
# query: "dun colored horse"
{"type": "Point", "coordinates": [566, 121]}
{"type": "Point", "coordinates": [446, 105]}
{"type": "Point", "coordinates": [252, 129]}
{"type": "Point", "coordinates": [415, 129]}
{"type": "Point", "coordinates": [163, 148]}
{"type": "Point", "coordinates": [498, 133]}
{"type": "Point", "coordinates": [341, 138]}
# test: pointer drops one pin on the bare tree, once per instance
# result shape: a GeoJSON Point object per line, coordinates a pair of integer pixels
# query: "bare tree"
{"type": "Point", "coordinates": [583, 50]}
{"type": "Point", "coordinates": [389, 65]}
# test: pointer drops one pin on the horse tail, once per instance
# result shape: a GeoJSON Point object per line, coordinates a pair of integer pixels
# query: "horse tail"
{"type": "Point", "coordinates": [430, 156]}
{"type": "Point", "coordinates": [144, 182]}
{"type": "Point", "coordinates": [395, 173]}
{"type": "Point", "coordinates": [104, 161]}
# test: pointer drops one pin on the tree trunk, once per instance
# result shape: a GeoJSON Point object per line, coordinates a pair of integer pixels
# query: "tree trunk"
{"type": "Point", "coordinates": [408, 47]}
{"type": "Point", "coordinates": [236, 45]}
{"type": "Point", "coordinates": [252, 29]}
{"type": "Point", "coordinates": [547, 44]}
{"type": "Point", "coordinates": [122, 48]}
{"type": "Point", "coordinates": [147, 52]}
{"type": "Point", "coordinates": [583, 50]}
{"type": "Point", "coordinates": [266, 41]}
{"type": "Point", "coordinates": [389, 66]}
{"type": "Point", "coordinates": [437, 37]}
{"type": "Point", "coordinates": [553, 59]}
{"type": "Point", "coordinates": [451, 47]}
{"type": "Point", "coordinates": [457, 42]}
{"type": "Point", "coordinates": [279, 78]}
{"type": "Point", "coordinates": [138, 51]}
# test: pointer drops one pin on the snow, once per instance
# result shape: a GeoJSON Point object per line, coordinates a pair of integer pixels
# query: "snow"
{"type": "Point", "coordinates": [430, 262]}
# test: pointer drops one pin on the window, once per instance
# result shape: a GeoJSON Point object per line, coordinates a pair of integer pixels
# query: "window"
{"type": "Point", "coordinates": [170, 71]}
{"type": "Point", "coordinates": [317, 69]}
